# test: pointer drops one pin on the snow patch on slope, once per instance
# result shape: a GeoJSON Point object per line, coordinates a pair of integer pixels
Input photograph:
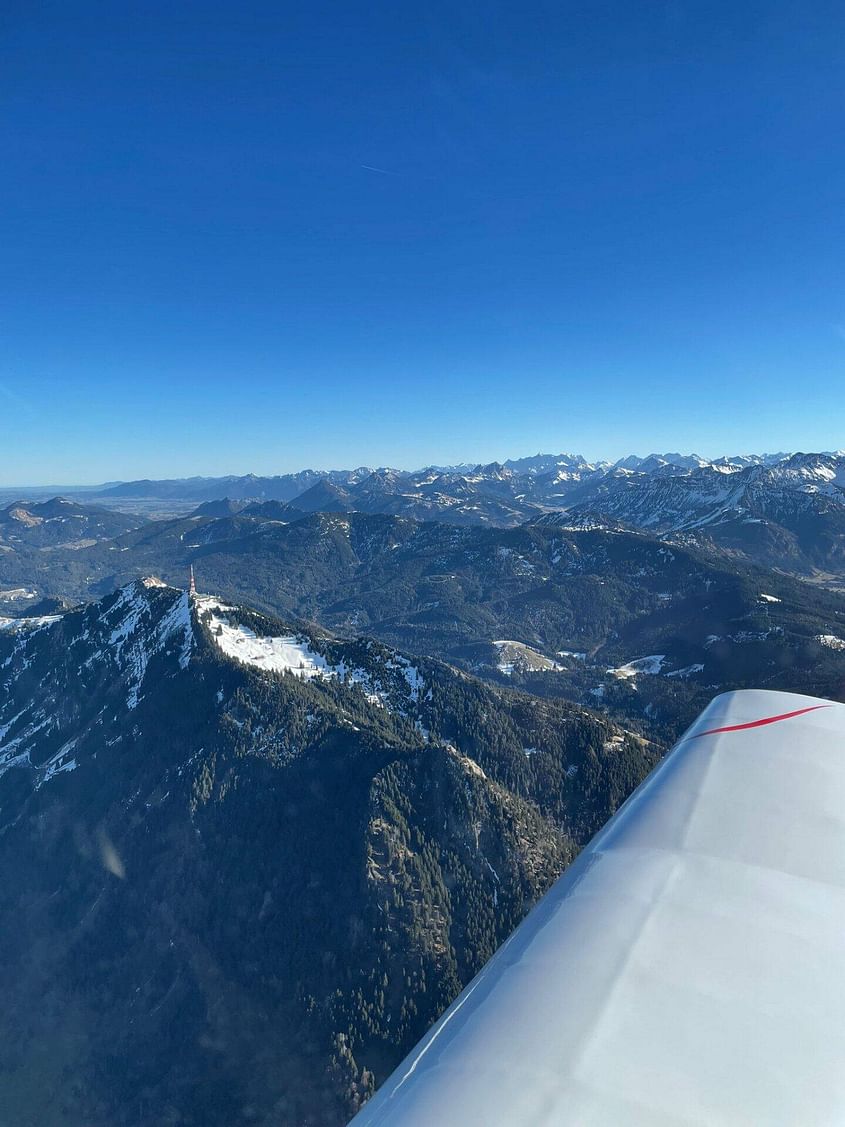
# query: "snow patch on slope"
{"type": "Point", "coordinates": [687, 671]}
{"type": "Point", "coordinates": [285, 654]}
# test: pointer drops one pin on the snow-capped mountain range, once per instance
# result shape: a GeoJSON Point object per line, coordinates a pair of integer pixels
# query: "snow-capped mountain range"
{"type": "Point", "coordinates": [782, 510]}
{"type": "Point", "coordinates": [789, 513]}
{"type": "Point", "coordinates": [786, 510]}
{"type": "Point", "coordinates": [498, 492]}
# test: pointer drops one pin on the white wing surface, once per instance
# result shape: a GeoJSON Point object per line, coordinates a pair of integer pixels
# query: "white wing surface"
{"type": "Point", "coordinates": [689, 968]}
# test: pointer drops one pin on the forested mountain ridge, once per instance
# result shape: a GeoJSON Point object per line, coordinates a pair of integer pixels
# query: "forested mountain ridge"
{"type": "Point", "coordinates": [586, 603]}
{"type": "Point", "coordinates": [60, 522]}
{"type": "Point", "coordinates": [582, 601]}
{"type": "Point", "coordinates": [246, 864]}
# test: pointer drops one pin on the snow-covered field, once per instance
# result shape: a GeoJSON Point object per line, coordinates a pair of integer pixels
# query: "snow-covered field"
{"type": "Point", "coordinates": [287, 654]}
{"type": "Point", "coordinates": [28, 623]}
{"type": "Point", "coordinates": [651, 664]}
{"type": "Point", "coordinates": [513, 656]}
{"type": "Point", "coordinates": [293, 653]}
{"type": "Point", "coordinates": [282, 654]}
{"type": "Point", "coordinates": [831, 641]}
{"type": "Point", "coordinates": [12, 594]}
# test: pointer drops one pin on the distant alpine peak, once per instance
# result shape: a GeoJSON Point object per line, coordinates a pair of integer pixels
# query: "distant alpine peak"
{"type": "Point", "coordinates": [810, 459]}
{"type": "Point", "coordinates": [493, 469]}
{"type": "Point", "coordinates": [548, 463]}
{"type": "Point", "coordinates": [658, 462]}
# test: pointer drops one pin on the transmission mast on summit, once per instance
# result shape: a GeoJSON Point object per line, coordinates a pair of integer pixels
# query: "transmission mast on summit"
{"type": "Point", "coordinates": [192, 587]}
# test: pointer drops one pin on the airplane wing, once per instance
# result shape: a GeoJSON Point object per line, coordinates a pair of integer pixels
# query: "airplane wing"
{"type": "Point", "coordinates": [688, 968]}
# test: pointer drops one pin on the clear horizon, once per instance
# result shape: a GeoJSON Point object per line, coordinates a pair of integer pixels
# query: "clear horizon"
{"type": "Point", "coordinates": [73, 485]}
{"type": "Point", "coordinates": [249, 239]}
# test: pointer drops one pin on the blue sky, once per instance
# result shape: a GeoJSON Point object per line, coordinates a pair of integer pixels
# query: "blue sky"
{"type": "Point", "coordinates": [254, 237]}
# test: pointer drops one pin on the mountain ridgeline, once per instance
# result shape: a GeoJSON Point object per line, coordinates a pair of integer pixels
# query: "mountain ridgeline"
{"type": "Point", "coordinates": [246, 864]}
{"type": "Point", "coordinates": [587, 605]}
{"type": "Point", "coordinates": [783, 510]}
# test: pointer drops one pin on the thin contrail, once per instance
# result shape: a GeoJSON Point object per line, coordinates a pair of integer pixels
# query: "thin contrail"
{"type": "Point", "coordinates": [383, 171]}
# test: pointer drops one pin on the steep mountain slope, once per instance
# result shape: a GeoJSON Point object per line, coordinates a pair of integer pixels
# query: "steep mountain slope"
{"type": "Point", "coordinates": [325, 496]}
{"type": "Point", "coordinates": [245, 866]}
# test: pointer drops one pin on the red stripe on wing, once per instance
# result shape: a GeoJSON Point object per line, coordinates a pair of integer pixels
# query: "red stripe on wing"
{"type": "Point", "coordinates": [759, 723]}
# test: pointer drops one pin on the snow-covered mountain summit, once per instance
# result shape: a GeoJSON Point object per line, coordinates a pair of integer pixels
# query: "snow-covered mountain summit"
{"type": "Point", "coordinates": [90, 668]}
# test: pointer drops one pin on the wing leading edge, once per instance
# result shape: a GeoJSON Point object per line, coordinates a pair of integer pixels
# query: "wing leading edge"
{"type": "Point", "coordinates": [689, 968]}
